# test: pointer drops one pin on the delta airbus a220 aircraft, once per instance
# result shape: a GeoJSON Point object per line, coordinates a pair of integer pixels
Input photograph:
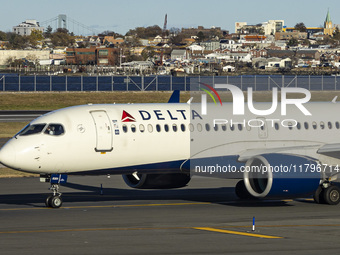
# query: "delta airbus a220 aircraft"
{"type": "Point", "coordinates": [162, 145]}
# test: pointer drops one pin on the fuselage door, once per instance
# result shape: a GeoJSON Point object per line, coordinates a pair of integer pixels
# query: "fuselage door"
{"type": "Point", "coordinates": [103, 131]}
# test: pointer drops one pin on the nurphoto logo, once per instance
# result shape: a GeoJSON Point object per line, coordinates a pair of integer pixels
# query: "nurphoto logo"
{"type": "Point", "coordinates": [239, 101]}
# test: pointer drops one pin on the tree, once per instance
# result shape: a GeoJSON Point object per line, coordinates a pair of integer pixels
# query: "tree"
{"type": "Point", "coordinates": [306, 42]}
{"type": "Point", "coordinates": [17, 41]}
{"type": "Point", "coordinates": [3, 36]}
{"type": "Point", "coordinates": [293, 42]}
{"type": "Point", "coordinates": [12, 61]}
{"type": "Point", "coordinates": [111, 33]}
{"type": "Point", "coordinates": [174, 31]}
{"type": "Point", "coordinates": [132, 41]}
{"type": "Point", "coordinates": [301, 27]}
{"type": "Point", "coordinates": [145, 32]}
{"type": "Point", "coordinates": [177, 38]}
{"type": "Point", "coordinates": [200, 36]}
{"type": "Point", "coordinates": [48, 32]}
{"type": "Point", "coordinates": [148, 53]}
{"type": "Point", "coordinates": [336, 35]}
{"type": "Point", "coordinates": [62, 38]}
{"type": "Point", "coordinates": [35, 37]}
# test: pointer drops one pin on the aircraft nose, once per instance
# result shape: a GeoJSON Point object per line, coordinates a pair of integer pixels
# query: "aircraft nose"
{"type": "Point", "coordinates": [7, 155]}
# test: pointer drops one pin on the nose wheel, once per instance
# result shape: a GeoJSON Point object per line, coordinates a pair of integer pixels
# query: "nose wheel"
{"type": "Point", "coordinates": [54, 200]}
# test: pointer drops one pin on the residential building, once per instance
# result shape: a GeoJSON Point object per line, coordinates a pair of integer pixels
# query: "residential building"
{"type": "Point", "coordinates": [210, 45]}
{"type": "Point", "coordinates": [178, 54]}
{"type": "Point", "coordinates": [289, 35]}
{"type": "Point", "coordinates": [26, 28]}
{"type": "Point", "coordinates": [257, 53]}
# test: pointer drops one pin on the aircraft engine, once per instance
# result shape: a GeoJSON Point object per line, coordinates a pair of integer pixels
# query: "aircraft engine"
{"type": "Point", "coordinates": [156, 181]}
{"type": "Point", "coordinates": [279, 176]}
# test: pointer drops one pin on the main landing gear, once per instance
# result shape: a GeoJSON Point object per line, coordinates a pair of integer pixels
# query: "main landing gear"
{"type": "Point", "coordinates": [327, 193]}
{"type": "Point", "coordinates": [54, 201]}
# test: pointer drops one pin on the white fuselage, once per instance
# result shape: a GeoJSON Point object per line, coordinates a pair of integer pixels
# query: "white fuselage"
{"type": "Point", "coordinates": [162, 137]}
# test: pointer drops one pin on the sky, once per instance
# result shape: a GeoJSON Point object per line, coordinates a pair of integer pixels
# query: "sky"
{"type": "Point", "coordinates": [120, 16]}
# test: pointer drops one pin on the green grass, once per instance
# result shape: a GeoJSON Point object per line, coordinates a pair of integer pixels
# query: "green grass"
{"type": "Point", "coordinates": [55, 100]}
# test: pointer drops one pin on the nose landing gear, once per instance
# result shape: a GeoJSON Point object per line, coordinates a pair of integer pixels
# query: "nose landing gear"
{"type": "Point", "coordinates": [54, 201]}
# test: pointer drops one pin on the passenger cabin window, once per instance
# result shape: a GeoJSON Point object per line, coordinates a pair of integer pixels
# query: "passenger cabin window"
{"type": "Point", "coordinates": [125, 128]}
{"type": "Point", "coordinates": [306, 125]}
{"type": "Point", "coordinates": [322, 125]}
{"type": "Point", "coordinates": [290, 125]}
{"type": "Point", "coordinates": [314, 125]}
{"type": "Point", "coordinates": [150, 128]}
{"type": "Point", "coordinates": [32, 129]}
{"type": "Point", "coordinates": [141, 128]}
{"type": "Point", "coordinates": [54, 129]}
{"type": "Point", "coordinates": [329, 125]}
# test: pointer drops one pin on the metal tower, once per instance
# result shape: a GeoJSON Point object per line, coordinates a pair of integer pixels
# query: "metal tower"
{"type": "Point", "coordinates": [62, 21]}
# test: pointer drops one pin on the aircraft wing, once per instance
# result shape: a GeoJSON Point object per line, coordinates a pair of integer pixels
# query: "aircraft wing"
{"type": "Point", "coordinates": [331, 150]}
{"type": "Point", "coordinates": [244, 156]}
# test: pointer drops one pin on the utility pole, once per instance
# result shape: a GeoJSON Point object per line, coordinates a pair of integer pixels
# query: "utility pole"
{"type": "Point", "coordinates": [120, 58]}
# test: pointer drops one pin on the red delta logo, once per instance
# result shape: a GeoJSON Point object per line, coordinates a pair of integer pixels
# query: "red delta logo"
{"type": "Point", "coordinates": [127, 117]}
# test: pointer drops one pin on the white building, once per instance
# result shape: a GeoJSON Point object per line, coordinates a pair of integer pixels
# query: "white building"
{"type": "Point", "coordinates": [239, 25]}
{"type": "Point", "coordinates": [272, 26]}
{"type": "Point", "coordinates": [178, 54]}
{"type": "Point", "coordinates": [25, 28]}
{"type": "Point", "coordinates": [195, 47]}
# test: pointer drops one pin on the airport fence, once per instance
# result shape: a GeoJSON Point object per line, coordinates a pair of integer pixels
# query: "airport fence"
{"type": "Point", "coordinates": [10, 82]}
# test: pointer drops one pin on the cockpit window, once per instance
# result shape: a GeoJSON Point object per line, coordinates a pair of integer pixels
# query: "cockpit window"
{"type": "Point", "coordinates": [32, 129]}
{"type": "Point", "coordinates": [54, 129]}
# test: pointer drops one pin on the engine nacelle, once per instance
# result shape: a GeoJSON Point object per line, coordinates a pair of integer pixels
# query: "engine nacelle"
{"type": "Point", "coordinates": [156, 181]}
{"type": "Point", "coordinates": [281, 176]}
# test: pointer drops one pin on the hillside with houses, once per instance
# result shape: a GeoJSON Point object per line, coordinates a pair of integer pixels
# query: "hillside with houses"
{"type": "Point", "coordinates": [265, 48]}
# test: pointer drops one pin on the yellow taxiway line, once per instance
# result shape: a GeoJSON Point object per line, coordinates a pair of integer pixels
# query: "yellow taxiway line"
{"type": "Point", "coordinates": [106, 206]}
{"type": "Point", "coordinates": [238, 233]}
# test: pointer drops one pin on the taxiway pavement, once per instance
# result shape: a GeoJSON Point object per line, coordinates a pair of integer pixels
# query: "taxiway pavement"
{"type": "Point", "coordinates": [202, 218]}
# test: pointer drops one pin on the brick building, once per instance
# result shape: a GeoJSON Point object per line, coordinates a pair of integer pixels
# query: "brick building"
{"type": "Point", "coordinates": [92, 56]}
